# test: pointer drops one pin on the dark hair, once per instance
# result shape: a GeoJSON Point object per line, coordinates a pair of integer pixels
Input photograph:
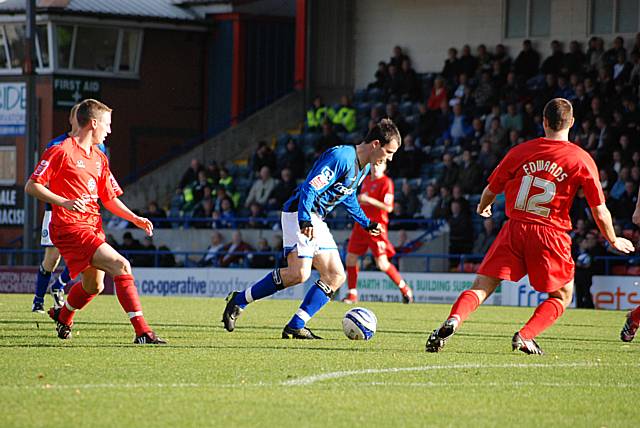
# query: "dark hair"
{"type": "Point", "coordinates": [384, 131]}
{"type": "Point", "coordinates": [558, 113]}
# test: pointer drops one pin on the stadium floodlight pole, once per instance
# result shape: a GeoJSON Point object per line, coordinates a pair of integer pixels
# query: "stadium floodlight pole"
{"type": "Point", "coordinates": [31, 139]}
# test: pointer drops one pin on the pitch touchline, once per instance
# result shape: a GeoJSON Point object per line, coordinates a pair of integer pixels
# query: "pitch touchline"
{"type": "Point", "coordinates": [308, 380]}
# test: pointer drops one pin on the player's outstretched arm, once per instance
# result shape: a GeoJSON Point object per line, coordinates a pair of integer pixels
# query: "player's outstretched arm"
{"type": "Point", "coordinates": [602, 217]}
{"type": "Point", "coordinates": [117, 207]}
{"type": "Point", "coordinates": [487, 198]}
{"type": "Point", "coordinates": [41, 192]}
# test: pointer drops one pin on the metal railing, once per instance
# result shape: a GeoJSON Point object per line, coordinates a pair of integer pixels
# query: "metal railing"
{"type": "Point", "coordinates": [457, 262]}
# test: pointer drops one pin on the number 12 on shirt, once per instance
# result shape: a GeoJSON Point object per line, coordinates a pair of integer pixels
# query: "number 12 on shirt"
{"type": "Point", "coordinates": [531, 204]}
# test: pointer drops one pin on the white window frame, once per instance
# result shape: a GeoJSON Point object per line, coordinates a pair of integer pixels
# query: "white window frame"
{"type": "Point", "coordinates": [527, 30]}
{"type": "Point", "coordinates": [614, 25]}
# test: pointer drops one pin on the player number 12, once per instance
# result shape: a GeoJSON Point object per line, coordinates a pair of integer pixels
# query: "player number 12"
{"type": "Point", "coordinates": [532, 204]}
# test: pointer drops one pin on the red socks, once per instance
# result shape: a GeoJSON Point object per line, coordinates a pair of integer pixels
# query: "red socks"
{"type": "Point", "coordinates": [352, 280]}
{"type": "Point", "coordinates": [130, 302]}
{"type": "Point", "coordinates": [635, 315]}
{"type": "Point", "coordinates": [393, 273]}
{"type": "Point", "coordinates": [467, 303]}
{"type": "Point", "coordinates": [544, 316]}
{"type": "Point", "coordinates": [77, 299]}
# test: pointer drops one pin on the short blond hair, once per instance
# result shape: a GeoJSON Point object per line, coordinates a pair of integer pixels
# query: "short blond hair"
{"type": "Point", "coordinates": [90, 109]}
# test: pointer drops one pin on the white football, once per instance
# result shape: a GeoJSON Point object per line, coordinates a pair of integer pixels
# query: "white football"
{"type": "Point", "coordinates": [359, 324]}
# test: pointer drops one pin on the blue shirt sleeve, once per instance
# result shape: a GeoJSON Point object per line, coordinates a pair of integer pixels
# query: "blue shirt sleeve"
{"type": "Point", "coordinates": [354, 209]}
{"type": "Point", "coordinates": [324, 173]}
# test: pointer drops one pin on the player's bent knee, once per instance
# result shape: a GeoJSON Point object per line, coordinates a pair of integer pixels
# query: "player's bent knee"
{"type": "Point", "coordinates": [93, 287]}
{"type": "Point", "coordinates": [295, 276]}
{"type": "Point", "coordinates": [382, 263]}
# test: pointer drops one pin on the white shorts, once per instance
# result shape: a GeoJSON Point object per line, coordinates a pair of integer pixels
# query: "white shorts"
{"type": "Point", "coordinates": [45, 238]}
{"type": "Point", "coordinates": [292, 239]}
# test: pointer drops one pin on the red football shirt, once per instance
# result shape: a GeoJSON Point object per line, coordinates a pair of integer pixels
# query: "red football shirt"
{"type": "Point", "coordinates": [70, 172]}
{"type": "Point", "coordinates": [540, 179]}
{"type": "Point", "coordinates": [381, 190]}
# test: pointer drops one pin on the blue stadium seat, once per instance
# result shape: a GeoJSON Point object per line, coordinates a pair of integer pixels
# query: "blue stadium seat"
{"type": "Point", "coordinates": [406, 108]}
{"type": "Point", "coordinates": [375, 94]}
{"type": "Point", "coordinates": [363, 109]}
{"type": "Point", "coordinates": [360, 96]}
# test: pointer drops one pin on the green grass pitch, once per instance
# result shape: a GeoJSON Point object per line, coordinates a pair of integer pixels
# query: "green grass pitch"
{"type": "Point", "coordinates": [251, 377]}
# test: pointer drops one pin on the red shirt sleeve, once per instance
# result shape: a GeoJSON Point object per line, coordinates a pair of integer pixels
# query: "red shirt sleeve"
{"type": "Point", "coordinates": [109, 188]}
{"type": "Point", "coordinates": [50, 164]}
{"type": "Point", "coordinates": [591, 182]}
{"type": "Point", "coordinates": [501, 175]}
{"type": "Point", "coordinates": [388, 192]}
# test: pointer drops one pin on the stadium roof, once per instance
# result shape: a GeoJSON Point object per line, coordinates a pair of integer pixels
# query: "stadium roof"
{"type": "Point", "coordinates": [139, 9]}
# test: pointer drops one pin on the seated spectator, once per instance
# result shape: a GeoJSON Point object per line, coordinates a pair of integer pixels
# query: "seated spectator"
{"type": "Point", "coordinates": [262, 261]}
{"type": "Point", "coordinates": [476, 138]}
{"type": "Point", "coordinates": [470, 175]}
{"type": "Point", "coordinates": [316, 115]}
{"type": "Point", "coordinates": [485, 93]}
{"type": "Point", "coordinates": [484, 58]}
{"type": "Point", "coordinates": [283, 190]}
{"type": "Point", "coordinates": [293, 160]}
{"type": "Point", "coordinates": [214, 251]}
{"type": "Point", "coordinates": [408, 159]}
{"type": "Point", "coordinates": [226, 217]}
{"type": "Point", "coordinates": [429, 201]}
{"type": "Point", "coordinates": [328, 139]}
{"type": "Point", "coordinates": [497, 135]}
{"type": "Point", "coordinates": [510, 91]}
{"type": "Point", "coordinates": [213, 171]}
{"type": "Point", "coordinates": [595, 53]}
{"type": "Point", "coordinates": [262, 157]}
{"type": "Point", "coordinates": [564, 89]}
{"type": "Point", "coordinates": [619, 187]}
{"type": "Point", "coordinates": [221, 195]}
{"type": "Point", "coordinates": [397, 57]}
{"type": "Point", "coordinates": [459, 128]}
{"type": "Point", "coordinates": [176, 203]}
{"type": "Point", "coordinates": [495, 113]}
{"type": "Point", "coordinates": [344, 120]}
{"type": "Point", "coordinates": [512, 119]}
{"type": "Point", "coordinates": [527, 61]}
{"type": "Point", "coordinates": [443, 210]}
{"type": "Point", "coordinates": [380, 77]}
{"type": "Point", "coordinates": [450, 172]}
{"type": "Point", "coordinates": [410, 84]}
{"type": "Point", "coordinates": [554, 62]}
{"type": "Point", "coordinates": [585, 255]}
{"type": "Point", "coordinates": [261, 188]}
{"type": "Point", "coordinates": [438, 94]}
{"type": "Point", "coordinates": [234, 253]}
{"type": "Point", "coordinates": [149, 259]}
{"type": "Point", "coordinates": [397, 214]}
{"type": "Point", "coordinates": [166, 259]}
{"type": "Point", "coordinates": [130, 244]}
{"type": "Point", "coordinates": [487, 159]}
{"type": "Point", "coordinates": [408, 200]}
{"type": "Point", "coordinates": [575, 59]}
{"type": "Point", "coordinates": [393, 84]}
{"type": "Point", "coordinates": [191, 174]}
{"type": "Point", "coordinates": [501, 57]}
{"type": "Point", "coordinates": [226, 182]}
{"type": "Point", "coordinates": [611, 56]}
{"type": "Point", "coordinates": [461, 230]}
{"type": "Point", "coordinates": [486, 237]}
{"type": "Point", "coordinates": [257, 219]}
{"type": "Point", "coordinates": [451, 67]}
{"type": "Point", "coordinates": [621, 69]}
{"type": "Point", "coordinates": [468, 64]}
{"type": "Point", "coordinates": [457, 195]}
{"type": "Point", "coordinates": [624, 206]}
{"type": "Point", "coordinates": [155, 213]}
{"type": "Point", "coordinates": [394, 114]}
{"type": "Point", "coordinates": [204, 209]}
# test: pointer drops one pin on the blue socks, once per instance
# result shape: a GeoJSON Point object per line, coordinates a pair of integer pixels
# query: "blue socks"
{"type": "Point", "coordinates": [42, 282]}
{"type": "Point", "coordinates": [62, 280]}
{"type": "Point", "coordinates": [318, 295]}
{"type": "Point", "coordinates": [267, 286]}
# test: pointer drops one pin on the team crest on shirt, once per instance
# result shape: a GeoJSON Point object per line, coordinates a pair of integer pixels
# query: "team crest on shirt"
{"type": "Point", "coordinates": [42, 167]}
{"type": "Point", "coordinates": [80, 163]}
{"type": "Point", "coordinates": [322, 179]}
{"type": "Point", "coordinates": [91, 185]}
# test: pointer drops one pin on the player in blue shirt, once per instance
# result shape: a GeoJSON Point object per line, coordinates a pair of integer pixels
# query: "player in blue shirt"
{"type": "Point", "coordinates": [307, 241]}
{"type": "Point", "coordinates": [51, 254]}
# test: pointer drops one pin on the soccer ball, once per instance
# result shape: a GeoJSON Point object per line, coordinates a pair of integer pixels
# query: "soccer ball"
{"type": "Point", "coordinates": [359, 324]}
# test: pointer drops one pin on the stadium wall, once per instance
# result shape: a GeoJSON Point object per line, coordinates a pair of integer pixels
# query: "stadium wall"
{"type": "Point", "coordinates": [429, 27]}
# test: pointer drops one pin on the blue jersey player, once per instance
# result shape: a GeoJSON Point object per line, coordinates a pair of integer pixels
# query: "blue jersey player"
{"type": "Point", "coordinates": [51, 254]}
{"type": "Point", "coordinates": [333, 180]}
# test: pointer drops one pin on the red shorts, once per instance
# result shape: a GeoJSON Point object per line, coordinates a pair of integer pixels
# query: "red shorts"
{"type": "Point", "coordinates": [521, 248]}
{"type": "Point", "coordinates": [361, 240]}
{"type": "Point", "coordinates": [77, 245]}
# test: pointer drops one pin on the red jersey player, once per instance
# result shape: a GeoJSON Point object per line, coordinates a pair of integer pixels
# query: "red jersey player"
{"type": "Point", "coordinates": [540, 179]}
{"type": "Point", "coordinates": [632, 322]}
{"type": "Point", "coordinates": [376, 199]}
{"type": "Point", "coordinates": [72, 176]}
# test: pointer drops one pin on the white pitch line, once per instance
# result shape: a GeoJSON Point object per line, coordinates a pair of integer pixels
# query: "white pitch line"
{"type": "Point", "coordinates": [498, 384]}
{"type": "Point", "coordinates": [308, 380]}
{"type": "Point", "coordinates": [130, 386]}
